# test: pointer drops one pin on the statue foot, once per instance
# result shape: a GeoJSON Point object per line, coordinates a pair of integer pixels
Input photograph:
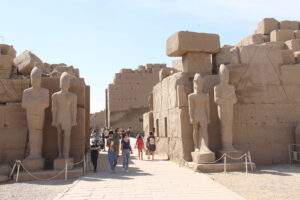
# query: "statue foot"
{"type": "Point", "coordinates": [197, 149]}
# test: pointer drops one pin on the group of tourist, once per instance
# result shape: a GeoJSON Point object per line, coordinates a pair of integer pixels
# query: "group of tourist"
{"type": "Point", "coordinates": [120, 139]}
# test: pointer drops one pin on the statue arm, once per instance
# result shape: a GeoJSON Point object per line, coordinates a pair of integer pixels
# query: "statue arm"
{"type": "Point", "coordinates": [54, 111]}
{"type": "Point", "coordinates": [207, 109]}
{"type": "Point", "coordinates": [74, 111]}
{"type": "Point", "coordinates": [45, 101]}
{"type": "Point", "coordinates": [191, 109]}
{"type": "Point", "coordinates": [24, 101]}
{"type": "Point", "coordinates": [217, 97]}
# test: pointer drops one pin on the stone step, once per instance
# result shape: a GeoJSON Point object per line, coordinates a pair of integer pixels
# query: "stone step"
{"type": "Point", "coordinates": [219, 167]}
{"type": "Point", "coordinates": [46, 174]}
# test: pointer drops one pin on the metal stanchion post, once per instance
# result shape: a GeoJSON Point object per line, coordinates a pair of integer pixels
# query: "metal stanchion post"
{"type": "Point", "coordinates": [12, 171]}
{"type": "Point", "coordinates": [225, 160]}
{"type": "Point", "coordinates": [250, 160]}
{"type": "Point", "coordinates": [290, 155]}
{"type": "Point", "coordinates": [66, 171]}
{"type": "Point", "coordinates": [246, 163]}
{"type": "Point", "coordinates": [18, 171]}
{"type": "Point", "coordinates": [84, 165]}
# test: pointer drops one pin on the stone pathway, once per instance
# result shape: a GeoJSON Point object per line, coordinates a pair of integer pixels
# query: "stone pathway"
{"type": "Point", "coordinates": [146, 180]}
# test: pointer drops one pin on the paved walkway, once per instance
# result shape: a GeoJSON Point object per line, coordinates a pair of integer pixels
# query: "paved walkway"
{"type": "Point", "coordinates": [146, 180]}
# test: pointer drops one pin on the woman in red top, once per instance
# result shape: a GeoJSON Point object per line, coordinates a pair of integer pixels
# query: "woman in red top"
{"type": "Point", "coordinates": [140, 145]}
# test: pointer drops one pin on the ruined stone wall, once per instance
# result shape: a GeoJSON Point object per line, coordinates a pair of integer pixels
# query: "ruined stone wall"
{"type": "Point", "coordinates": [264, 68]}
{"type": "Point", "coordinates": [98, 119]}
{"type": "Point", "coordinates": [14, 79]}
{"type": "Point", "coordinates": [127, 97]}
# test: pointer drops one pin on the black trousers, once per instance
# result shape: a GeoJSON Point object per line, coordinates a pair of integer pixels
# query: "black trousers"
{"type": "Point", "coordinates": [94, 158]}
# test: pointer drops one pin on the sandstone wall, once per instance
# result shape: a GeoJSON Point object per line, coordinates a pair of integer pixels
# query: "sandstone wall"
{"type": "Point", "coordinates": [98, 119]}
{"type": "Point", "coordinates": [127, 96]}
{"type": "Point", "coordinates": [14, 79]}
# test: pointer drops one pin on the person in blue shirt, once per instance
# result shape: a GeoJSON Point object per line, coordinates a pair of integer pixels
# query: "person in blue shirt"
{"type": "Point", "coordinates": [126, 149]}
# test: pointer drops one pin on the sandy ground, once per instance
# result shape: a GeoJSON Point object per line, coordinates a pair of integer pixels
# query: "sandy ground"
{"type": "Point", "coordinates": [33, 190]}
{"type": "Point", "coordinates": [266, 182]}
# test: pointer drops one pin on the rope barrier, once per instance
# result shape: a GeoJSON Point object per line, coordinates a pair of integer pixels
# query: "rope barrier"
{"type": "Point", "coordinates": [239, 158]}
{"type": "Point", "coordinates": [215, 160]}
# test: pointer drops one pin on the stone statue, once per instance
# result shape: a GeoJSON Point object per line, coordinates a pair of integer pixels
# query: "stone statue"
{"type": "Point", "coordinates": [200, 118]}
{"type": "Point", "coordinates": [35, 100]}
{"type": "Point", "coordinates": [64, 111]}
{"type": "Point", "coordinates": [224, 96]}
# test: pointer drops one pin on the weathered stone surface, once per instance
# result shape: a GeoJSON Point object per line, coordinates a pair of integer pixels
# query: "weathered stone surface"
{"type": "Point", "coordinates": [5, 169]}
{"type": "Point", "coordinates": [223, 56]}
{"type": "Point", "coordinates": [11, 90]}
{"type": "Point", "coordinates": [6, 62]}
{"type": "Point", "coordinates": [200, 158]}
{"type": "Point", "coordinates": [195, 62]}
{"type": "Point", "coordinates": [289, 25]}
{"type": "Point", "coordinates": [26, 61]}
{"type": "Point", "coordinates": [34, 164]}
{"type": "Point", "coordinates": [297, 56]}
{"type": "Point", "coordinates": [182, 42]}
{"type": "Point", "coordinates": [279, 44]}
{"type": "Point", "coordinates": [235, 55]}
{"type": "Point", "coordinates": [297, 34]}
{"type": "Point", "coordinates": [252, 39]}
{"type": "Point", "coordinates": [3, 178]}
{"type": "Point", "coordinates": [293, 44]}
{"type": "Point", "coordinates": [267, 25]}
{"type": "Point", "coordinates": [98, 120]}
{"type": "Point", "coordinates": [60, 164]}
{"type": "Point", "coordinates": [282, 35]}
{"type": "Point", "coordinates": [267, 38]}
{"type": "Point", "coordinates": [178, 65]}
{"type": "Point", "coordinates": [288, 57]}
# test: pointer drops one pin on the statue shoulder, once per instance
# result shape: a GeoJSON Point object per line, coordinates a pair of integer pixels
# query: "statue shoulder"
{"type": "Point", "coordinates": [55, 95]}
{"type": "Point", "coordinates": [72, 95]}
{"type": "Point", "coordinates": [27, 91]}
{"type": "Point", "coordinates": [45, 91]}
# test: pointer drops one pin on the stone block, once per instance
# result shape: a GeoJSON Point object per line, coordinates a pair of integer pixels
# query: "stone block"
{"type": "Point", "coordinates": [5, 169]}
{"type": "Point", "coordinates": [290, 74]}
{"type": "Point", "coordinates": [182, 42]}
{"type": "Point", "coordinates": [7, 50]}
{"type": "Point", "coordinates": [297, 56]}
{"type": "Point", "coordinates": [60, 164]}
{"type": "Point", "coordinates": [197, 62]}
{"type": "Point", "coordinates": [235, 55]}
{"type": "Point", "coordinates": [288, 57]}
{"type": "Point", "coordinates": [293, 44]}
{"type": "Point", "coordinates": [279, 44]}
{"type": "Point", "coordinates": [297, 135]}
{"type": "Point", "coordinates": [33, 164]}
{"type": "Point", "coordinates": [252, 39]}
{"type": "Point", "coordinates": [3, 178]}
{"type": "Point", "coordinates": [177, 64]}
{"type": "Point", "coordinates": [297, 34]}
{"type": "Point", "coordinates": [282, 35]}
{"type": "Point", "coordinates": [202, 158]}
{"type": "Point", "coordinates": [11, 90]}
{"type": "Point", "coordinates": [267, 25]}
{"type": "Point", "coordinates": [223, 56]}
{"type": "Point", "coordinates": [26, 61]}
{"type": "Point", "coordinates": [76, 72]}
{"type": "Point", "coordinates": [232, 154]}
{"type": "Point", "coordinates": [123, 71]}
{"type": "Point", "coordinates": [289, 25]}
{"type": "Point", "coordinates": [6, 63]}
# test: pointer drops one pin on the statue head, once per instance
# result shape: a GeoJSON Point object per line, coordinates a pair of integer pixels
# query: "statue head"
{"type": "Point", "coordinates": [198, 83]}
{"type": "Point", "coordinates": [64, 81]}
{"type": "Point", "coordinates": [224, 74]}
{"type": "Point", "coordinates": [35, 76]}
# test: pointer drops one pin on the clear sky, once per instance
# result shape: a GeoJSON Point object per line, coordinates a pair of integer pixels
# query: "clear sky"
{"type": "Point", "coordinates": [102, 36]}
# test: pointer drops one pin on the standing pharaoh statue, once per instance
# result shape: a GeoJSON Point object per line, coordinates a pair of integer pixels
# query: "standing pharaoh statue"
{"type": "Point", "coordinates": [200, 118]}
{"type": "Point", "coordinates": [64, 112]}
{"type": "Point", "coordinates": [35, 100]}
{"type": "Point", "coordinates": [224, 96]}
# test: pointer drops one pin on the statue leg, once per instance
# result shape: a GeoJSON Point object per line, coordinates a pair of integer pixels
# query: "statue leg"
{"type": "Point", "coordinates": [35, 143]}
{"type": "Point", "coordinates": [203, 139]}
{"type": "Point", "coordinates": [196, 136]}
{"type": "Point", "coordinates": [59, 138]}
{"type": "Point", "coordinates": [67, 142]}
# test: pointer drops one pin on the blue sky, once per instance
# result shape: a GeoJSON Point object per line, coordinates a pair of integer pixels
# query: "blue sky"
{"type": "Point", "coordinates": [102, 36]}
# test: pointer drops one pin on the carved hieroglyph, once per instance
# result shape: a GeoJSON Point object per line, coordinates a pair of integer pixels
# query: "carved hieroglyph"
{"type": "Point", "coordinates": [199, 115]}
{"type": "Point", "coordinates": [224, 96]}
{"type": "Point", "coordinates": [64, 111]}
{"type": "Point", "coordinates": [35, 100]}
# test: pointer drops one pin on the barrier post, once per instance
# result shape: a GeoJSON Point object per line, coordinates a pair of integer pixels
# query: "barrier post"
{"type": "Point", "coordinates": [250, 160]}
{"type": "Point", "coordinates": [290, 155]}
{"type": "Point", "coordinates": [225, 160]}
{"type": "Point", "coordinates": [84, 165]}
{"type": "Point", "coordinates": [246, 163]}
{"type": "Point", "coordinates": [18, 171]}
{"type": "Point", "coordinates": [12, 171]}
{"type": "Point", "coordinates": [66, 170]}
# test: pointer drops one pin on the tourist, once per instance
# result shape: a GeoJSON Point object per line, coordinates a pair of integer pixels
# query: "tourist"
{"type": "Point", "coordinates": [128, 131]}
{"type": "Point", "coordinates": [112, 148]}
{"type": "Point", "coordinates": [151, 145]}
{"type": "Point", "coordinates": [140, 145]}
{"type": "Point", "coordinates": [102, 142]}
{"type": "Point", "coordinates": [94, 154]}
{"type": "Point", "coordinates": [117, 139]}
{"type": "Point", "coordinates": [126, 149]}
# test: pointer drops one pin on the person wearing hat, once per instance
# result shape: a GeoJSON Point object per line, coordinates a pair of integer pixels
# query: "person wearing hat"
{"type": "Point", "coordinates": [112, 150]}
{"type": "Point", "coordinates": [94, 154]}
